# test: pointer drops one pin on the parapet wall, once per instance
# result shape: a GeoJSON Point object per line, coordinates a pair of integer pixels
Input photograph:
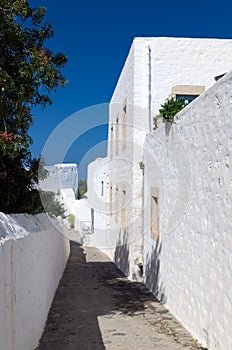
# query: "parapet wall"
{"type": "Point", "coordinates": [188, 180]}
{"type": "Point", "coordinates": [33, 255]}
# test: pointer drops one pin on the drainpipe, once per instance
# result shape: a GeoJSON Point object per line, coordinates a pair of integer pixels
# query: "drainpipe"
{"type": "Point", "coordinates": [148, 63]}
{"type": "Point", "coordinates": [150, 129]}
{"type": "Point", "coordinates": [142, 167]}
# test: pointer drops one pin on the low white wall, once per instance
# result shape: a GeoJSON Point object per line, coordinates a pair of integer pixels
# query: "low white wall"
{"type": "Point", "coordinates": [82, 212]}
{"type": "Point", "coordinates": [33, 255]}
{"type": "Point", "coordinates": [79, 208]}
{"type": "Point", "coordinates": [190, 269]}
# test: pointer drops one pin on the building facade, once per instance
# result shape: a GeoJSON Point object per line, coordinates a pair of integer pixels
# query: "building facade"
{"type": "Point", "coordinates": [168, 191]}
{"type": "Point", "coordinates": [155, 69]}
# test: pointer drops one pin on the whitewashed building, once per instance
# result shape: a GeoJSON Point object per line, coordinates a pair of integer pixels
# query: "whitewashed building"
{"type": "Point", "coordinates": [155, 69]}
{"type": "Point", "coordinates": [97, 200]}
{"type": "Point", "coordinates": [61, 176]}
{"type": "Point", "coordinates": [168, 211]}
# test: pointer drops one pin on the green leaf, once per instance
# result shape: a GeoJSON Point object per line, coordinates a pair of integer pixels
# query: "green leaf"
{"type": "Point", "coordinates": [29, 72]}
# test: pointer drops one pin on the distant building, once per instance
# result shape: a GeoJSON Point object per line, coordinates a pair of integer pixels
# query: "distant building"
{"type": "Point", "coordinates": [61, 176]}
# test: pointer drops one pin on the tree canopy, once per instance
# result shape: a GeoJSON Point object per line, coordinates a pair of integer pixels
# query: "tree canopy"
{"type": "Point", "coordinates": [29, 72]}
{"type": "Point", "coordinates": [82, 188]}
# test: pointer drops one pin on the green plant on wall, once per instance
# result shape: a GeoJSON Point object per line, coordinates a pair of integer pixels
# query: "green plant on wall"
{"type": "Point", "coordinates": [71, 220]}
{"type": "Point", "coordinates": [170, 108]}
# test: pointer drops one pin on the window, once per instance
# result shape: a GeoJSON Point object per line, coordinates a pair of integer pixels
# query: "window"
{"type": "Point", "coordinates": [219, 76]}
{"type": "Point", "coordinates": [186, 98]}
{"type": "Point", "coordinates": [154, 214]}
{"type": "Point", "coordinates": [116, 205]}
{"type": "Point", "coordinates": [116, 137]}
{"type": "Point", "coordinates": [92, 220]}
{"type": "Point", "coordinates": [111, 198]}
{"type": "Point", "coordinates": [124, 126]}
{"type": "Point", "coordinates": [102, 188]}
{"type": "Point", "coordinates": [187, 92]}
{"type": "Point", "coordinates": [111, 141]}
{"type": "Point", "coordinates": [123, 209]}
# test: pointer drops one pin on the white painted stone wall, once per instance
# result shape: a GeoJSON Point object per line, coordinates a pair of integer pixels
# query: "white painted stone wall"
{"type": "Point", "coordinates": [97, 183]}
{"type": "Point", "coordinates": [61, 176]}
{"type": "Point", "coordinates": [180, 61]}
{"type": "Point", "coordinates": [97, 199]}
{"type": "Point", "coordinates": [33, 255]}
{"type": "Point", "coordinates": [190, 269]}
{"type": "Point", "coordinates": [152, 68]}
{"type": "Point", "coordinates": [79, 208]}
{"type": "Point", "coordinates": [124, 171]}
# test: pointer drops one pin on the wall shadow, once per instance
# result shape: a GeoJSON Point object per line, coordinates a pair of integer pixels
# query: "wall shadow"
{"type": "Point", "coordinates": [121, 254]}
{"type": "Point", "coordinates": [89, 290]}
{"type": "Point", "coordinates": [152, 273]}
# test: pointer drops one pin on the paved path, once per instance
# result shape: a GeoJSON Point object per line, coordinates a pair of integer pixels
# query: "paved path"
{"type": "Point", "coordinates": [97, 308]}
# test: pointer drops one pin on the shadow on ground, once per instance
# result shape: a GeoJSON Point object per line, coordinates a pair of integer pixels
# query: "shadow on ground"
{"type": "Point", "coordinates": [89, 290]}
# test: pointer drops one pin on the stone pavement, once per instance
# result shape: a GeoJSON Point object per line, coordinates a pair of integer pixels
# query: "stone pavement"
{"type": "Point", "coordinates": [96, 307]}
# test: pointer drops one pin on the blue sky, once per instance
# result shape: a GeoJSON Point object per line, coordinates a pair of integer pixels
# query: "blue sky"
{"type": "Point", "coordinates": [96, 37]}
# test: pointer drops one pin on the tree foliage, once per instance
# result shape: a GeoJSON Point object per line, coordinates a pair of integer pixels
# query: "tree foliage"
{"type": "Point", "coordinates": [29, 71]}
{"type": "Point", "coordinates": [51, 205]}
{"type": "Point", "coordinates": [82, 188]}
{"type": "Point", "coordinates": [170, 108]}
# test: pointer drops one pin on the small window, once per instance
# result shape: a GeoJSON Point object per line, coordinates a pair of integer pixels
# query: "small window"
{"type": "Point", "coordinates": [116, 205]}
{"type": "Point", "coordinates": [186, 98]}
{"type": "Point", "coordinates": [155, 215]}
{"type": "Point", "coordinates": [92, 220]}
{"type": "Point", "coordinates": [124, 126]}
{"type": "Point", "coordinates": [102, 188]}
{"type": "Point", "coordinates": [116, 136]}
{"type": "Point", "coordinates": [111, 198]}
{"type": "Point", "coordinates": [111, 141]}
{"type": "Point", "coordinates": [187, 92]}
{"type": "Point", "coordinates": [123, 209]}
{"type": "Point", "coordinates": [219, 76]}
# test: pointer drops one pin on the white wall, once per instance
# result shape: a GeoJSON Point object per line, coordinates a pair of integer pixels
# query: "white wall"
{"type": "Point", "coordinates": [82, 212]}
{"type": "Point", "coordinates": [97, 199]}
{"type": "Point", "coordinates": [177, 61]}
{"type": "Point", "coordinates": [61, 176]}
{"type": "Point", "coordinates": [190, 269]}
{"type": "Point", "coordinates": [97, 183]}
{"type": "Point", "coordinates": [124, 172]}
{"type": "Point", "coordinates": [33, 255]}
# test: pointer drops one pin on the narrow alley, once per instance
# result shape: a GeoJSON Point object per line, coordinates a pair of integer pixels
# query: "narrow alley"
{"type": "Point", "coordinates": [96, 307]}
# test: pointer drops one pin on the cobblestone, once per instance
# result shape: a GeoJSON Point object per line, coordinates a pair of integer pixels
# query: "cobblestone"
{"type": "Point", "coordinates": [96, 307]}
